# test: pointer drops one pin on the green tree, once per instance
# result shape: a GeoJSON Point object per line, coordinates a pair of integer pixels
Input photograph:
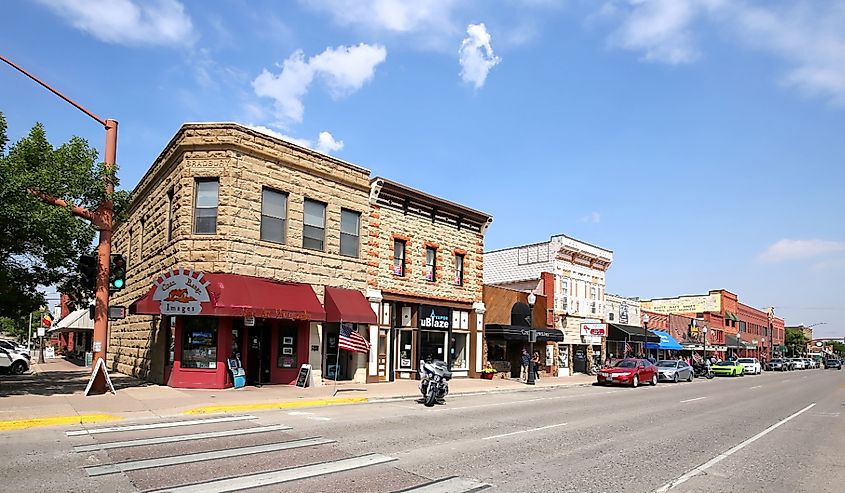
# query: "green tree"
{"type": "Point", "coordinates": [40, 243]}
{"type": "Point", "coordinates": [796, 341]}
{"type": "Point", "coordinates": [838, 347]}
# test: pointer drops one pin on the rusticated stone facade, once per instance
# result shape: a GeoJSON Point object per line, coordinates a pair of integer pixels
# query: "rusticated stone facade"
{"type": "Point", "coordinates": [158, 234]}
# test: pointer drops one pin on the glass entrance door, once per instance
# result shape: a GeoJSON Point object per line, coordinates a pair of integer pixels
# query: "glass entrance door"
{"type": "Point", "coordinates": [433, 345]}
{"type": "Point", "coordinates": [381, 361]}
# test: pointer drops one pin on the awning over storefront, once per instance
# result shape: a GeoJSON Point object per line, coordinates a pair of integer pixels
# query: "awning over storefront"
{"type": "Point", "coordinates": [620, 332]}
{"type": "Point", "coordinates": [731, 316]}
{"type": "Point", "coordinates": [348, 305]}
{"type": "Point", "coordinates": [76, 320]}
{"type": "Point", "coordinates": [520, 333]}
{"type": "Point", "coordinates": [666, 342]}
{"type": "Point", "coordinates": [228, 295]}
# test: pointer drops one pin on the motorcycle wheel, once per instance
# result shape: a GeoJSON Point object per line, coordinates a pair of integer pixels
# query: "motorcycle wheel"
{"type": "Point", "coordinates": [710, 375]}
{"type": "Point", "coordinates": [423, 389]}
{"type": "Point", "coordinates": [430, 396]}
{"type": "Point", "coordinates": [689, 378]}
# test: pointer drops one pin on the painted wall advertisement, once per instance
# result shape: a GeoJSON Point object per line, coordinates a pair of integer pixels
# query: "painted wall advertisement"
{"type": "Point", "coordinates": [685, 304]}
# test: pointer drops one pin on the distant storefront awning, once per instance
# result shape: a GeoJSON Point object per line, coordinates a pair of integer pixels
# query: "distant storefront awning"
{"type": "Point", "coordinates": [76, 320]}
{"type": "Point", "coordinates": [620, 332]}
{"type": "Point", "coordinates": [731, 316]}
{"type": "Point", "coordinates": [185, 292]}
{"type": "Point", "coordinates": [348, 305]}
{"type": "Point", "coordinates": [520, 333]}
{"type": "Point", "coordinates": [667, 342]}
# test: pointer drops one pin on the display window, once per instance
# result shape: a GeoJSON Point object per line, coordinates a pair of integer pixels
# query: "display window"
{"type": "Point", "coordinates": [199, 343]}
{"type": "Point", "coordinates": [287, 347]}
{"type": "Point", "coordinates": [459, 351]}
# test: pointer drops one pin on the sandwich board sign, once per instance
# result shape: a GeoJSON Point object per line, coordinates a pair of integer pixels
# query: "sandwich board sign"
{"type": "Point", "coordinates": [100, 367]}
{"type": "Point", "coordinates": [303, 379]}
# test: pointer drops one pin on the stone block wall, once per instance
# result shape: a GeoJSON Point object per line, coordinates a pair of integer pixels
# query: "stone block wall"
{"type": "Point", "coordinates": [387, 224]}
{"type": "Point", "coordinates": [244, 161]}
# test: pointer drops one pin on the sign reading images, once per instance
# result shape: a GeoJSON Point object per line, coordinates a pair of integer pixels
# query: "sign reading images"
{"type": "Point", "coordinates": [181, 292]}
{"type": "Point", "coordinates": [435, 317]}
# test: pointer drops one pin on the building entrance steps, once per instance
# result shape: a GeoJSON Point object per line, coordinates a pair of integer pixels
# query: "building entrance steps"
{"type": "Point", "coordinates": [53, 394]}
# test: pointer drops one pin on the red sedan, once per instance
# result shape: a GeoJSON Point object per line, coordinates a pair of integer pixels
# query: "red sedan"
{"type": "Point", "coordinates": [629, 372]}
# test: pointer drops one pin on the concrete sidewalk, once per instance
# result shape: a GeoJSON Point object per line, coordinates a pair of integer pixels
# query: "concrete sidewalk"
{"type": "Point", "coordinates": [52, 395]}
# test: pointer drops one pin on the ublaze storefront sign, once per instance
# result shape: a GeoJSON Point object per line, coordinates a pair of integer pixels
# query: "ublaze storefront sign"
{"type": "Point", "coordinates": [181, 292]}
{"type": "Point", "coordinates": [435, 317]}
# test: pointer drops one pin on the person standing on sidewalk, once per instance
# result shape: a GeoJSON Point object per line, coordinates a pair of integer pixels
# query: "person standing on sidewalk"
{"type": "Point", "coordinates": [526, 362]}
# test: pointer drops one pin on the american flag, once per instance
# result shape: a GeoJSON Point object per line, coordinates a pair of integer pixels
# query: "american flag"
{"type": "Point", "coordinates": [628, 349]}
{"type": "Point", "coordinates": [351, 340]}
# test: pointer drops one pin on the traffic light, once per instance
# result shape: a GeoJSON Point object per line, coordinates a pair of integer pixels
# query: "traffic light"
{"type": "Point", "coordinates": [117, 272]}
{"type": "Point", "coordinates": [88, 271]}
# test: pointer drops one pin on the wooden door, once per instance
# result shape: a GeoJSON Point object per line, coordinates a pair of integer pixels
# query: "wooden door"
{"type": "Point", "coordinates": [381, 360]}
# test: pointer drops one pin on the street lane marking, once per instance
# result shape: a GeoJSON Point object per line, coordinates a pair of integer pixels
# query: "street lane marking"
{"type": "Point", "coordinates": [267, 406]}
{"type": "Point", "coordinates": [23, 424]}
{"type": "Point", "coordinates": [523, 431]}
{"type": "Point", "coordinates": [178, 438]}
{"type": "Point", "coordinates": [719, 458]}
{"type": "Point", "coordinates": [135, 465]}
{"type": "Point", "coordinates": [755, 387]}
{"type": "Point", "coordinates": [453, 484]}
{"type": "Point", "coordinates": [508, 403]}
{"type": "Point", "coordinates": [282, 476]}
{"type": "Point", "coordinates": [154, 426]}
{"type": "Point", "coordinates": [696, 399]}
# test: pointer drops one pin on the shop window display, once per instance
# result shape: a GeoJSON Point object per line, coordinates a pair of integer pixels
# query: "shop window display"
{"type": "Point", "coordinates": [199, 342]}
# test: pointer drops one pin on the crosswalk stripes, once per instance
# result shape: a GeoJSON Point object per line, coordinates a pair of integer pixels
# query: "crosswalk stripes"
{"type": "Point", "coordinates": [282, 476]}
{"type": "Point", "coordinates": [154, 426]}
{"type": "Point", "coordinates": [453, 484]}
{"type": "Point", "coordinates": [290, 474]}
{"type": "Point", "coordinates": [179, 438]}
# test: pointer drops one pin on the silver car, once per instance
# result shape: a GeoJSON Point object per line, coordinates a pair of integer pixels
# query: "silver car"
{"type": "Point", "coordinates": [673, 370]}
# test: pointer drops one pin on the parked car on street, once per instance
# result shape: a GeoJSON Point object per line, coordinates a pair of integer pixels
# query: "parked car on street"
{"type": "Point", "coordinates": [729, 368]}
{"type": "Point", "coordinates": [14, 346]}
{"type": "Point", "coordinates": [673, 370]}
{"type": "Point", "coordinates": [629, 372]}
{"type": "Point", "coordinates": [797, 363]}
{"type": "Point", "coordinates": [832, 363]}
{"type": "Point", "coordinates": [777, 364]}
{"type": "Point", "coordinates": [751, 365]}
{"type": "Point", "coordinates": [13, 362]}
{"type": "Point", "coordinates": [812, 363]}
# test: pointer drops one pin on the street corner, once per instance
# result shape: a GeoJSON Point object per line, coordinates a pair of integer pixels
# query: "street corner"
{"type": "Point", "coordinates": [48, 421]}
{"type": "Point", "coordinates": [277, 405]}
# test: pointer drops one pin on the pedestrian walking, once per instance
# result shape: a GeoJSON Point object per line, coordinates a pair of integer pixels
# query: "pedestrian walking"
{"type": "Point", "coordinates": [535, 365]}
{"type": "Point", "coordinates": [526, 361]}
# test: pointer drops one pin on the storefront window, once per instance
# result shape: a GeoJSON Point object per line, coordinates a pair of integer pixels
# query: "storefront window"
{"type": "Point", "coordinates": [199, 342]}
{"type": "Point", "coordinates": [404, 350]}
{"type": "Point", "coordinates": [459, 351]}
{"type": "Point", "coordinates": [170, 338]}
{"type": "Point", "coordinates": [287, 347]}
{"type": "Point", "coordinates": [432, 345]}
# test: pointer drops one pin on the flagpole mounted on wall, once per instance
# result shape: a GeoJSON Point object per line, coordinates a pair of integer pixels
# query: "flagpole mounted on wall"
{"type": "Point", "coordinates": [337, 359]}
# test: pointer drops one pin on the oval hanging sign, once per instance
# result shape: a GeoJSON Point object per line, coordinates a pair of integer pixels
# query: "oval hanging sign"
{"type": "Point", "coordinates": [181, 292]}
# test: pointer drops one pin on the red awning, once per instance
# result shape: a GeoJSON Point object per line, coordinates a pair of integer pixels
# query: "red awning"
{"type": "Point", "coordinates": [232, 295]}
{"type": "Point", "coordinates": [348, 305]}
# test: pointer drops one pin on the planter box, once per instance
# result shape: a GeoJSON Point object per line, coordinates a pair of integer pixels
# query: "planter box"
{"type": "Point", "coordinates": [487, 376]}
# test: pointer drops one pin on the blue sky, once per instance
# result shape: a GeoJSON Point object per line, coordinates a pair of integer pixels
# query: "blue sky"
{"type": "Point", "coordinates": [700, 140]}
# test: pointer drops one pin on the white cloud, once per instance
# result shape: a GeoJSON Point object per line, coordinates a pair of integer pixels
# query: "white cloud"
{"type": "Point", "coordinates": [345, 70]}
{"type": "Point", "coordinates": [476, 55]}
{"type": "Point", "coordinates": [326, 142]}
{"type": "Point", "coordinates": [128, 22]}
{"type": "Point", "coordinates": [808, 36]}
{"type": "Point", "coordinates": [799, 249]}
{"type": "Point", "coordinates": [391, 15]}
{"type": "Point", "coordinates": [593, 217]}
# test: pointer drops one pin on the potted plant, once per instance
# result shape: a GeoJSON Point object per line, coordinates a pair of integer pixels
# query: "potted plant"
{"type": "Point", "coordinates": [488, 372]}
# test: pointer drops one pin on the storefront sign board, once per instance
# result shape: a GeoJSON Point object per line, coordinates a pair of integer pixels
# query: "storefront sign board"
{"type": "Point", "coordinates": [303, 379]}
{"type": "Point", "coordinates": [597, 330]}
{"type": "Point", "coordinates": [435, 317]}
{"type": "Point", "coordinates": [181, 292]}
{"type": "Point", "coordinates": [685, 304]}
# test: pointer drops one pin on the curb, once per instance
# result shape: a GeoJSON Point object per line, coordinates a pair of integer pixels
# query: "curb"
{"type": "Point", "coordinates": [23, 424]}
{"type": "Point", "coordinates": [267, 406]}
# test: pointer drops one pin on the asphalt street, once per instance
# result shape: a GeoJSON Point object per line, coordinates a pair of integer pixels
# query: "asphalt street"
{"type": "Point", "coordinates": [776, 432]}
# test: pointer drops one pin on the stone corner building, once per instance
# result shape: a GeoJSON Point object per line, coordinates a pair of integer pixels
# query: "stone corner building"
{"type": "Point", "coordinates": [270, 225]}
{"type": "Point", "coordinates": [251, 252]}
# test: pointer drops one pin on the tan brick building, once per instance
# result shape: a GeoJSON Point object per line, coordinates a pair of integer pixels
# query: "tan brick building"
{"type": "Point", "coordinates": [424, 272]}
{"type": "Point", "coordinates": [269, 225]}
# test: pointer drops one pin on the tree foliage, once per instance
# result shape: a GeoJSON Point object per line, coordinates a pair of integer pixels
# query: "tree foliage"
{"type": "Point", "coordinates": [796, 341]}
{"type": "Point", "coordinates": [40, 243]}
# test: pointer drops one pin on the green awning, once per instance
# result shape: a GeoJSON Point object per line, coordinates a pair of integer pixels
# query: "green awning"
{"type": "Point", "coordinates": [731, 316]}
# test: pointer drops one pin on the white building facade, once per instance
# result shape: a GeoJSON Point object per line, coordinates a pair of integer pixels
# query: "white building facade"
{"type": "Point", "coordinates": [571, 273]}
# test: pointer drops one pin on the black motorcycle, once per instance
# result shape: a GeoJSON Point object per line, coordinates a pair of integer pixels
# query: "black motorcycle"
{"type": "Point", "coordinates": [434, 382]}
{"type": "Point", "coordinates": [702, 371]}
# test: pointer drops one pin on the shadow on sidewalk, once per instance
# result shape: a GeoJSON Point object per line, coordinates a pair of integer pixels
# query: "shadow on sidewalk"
{"type": "Point", "coordinates": [64, 382]}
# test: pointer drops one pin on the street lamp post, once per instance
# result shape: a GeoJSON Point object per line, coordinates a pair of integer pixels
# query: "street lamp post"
{"type": "Point", "coordinates": [645, 332]}
{"type": "Point", "coordinates": [704, 350]}
{"type": "Point", "coordinates": [102, 218]}
{"type": "Point", "coordinates": [532, 298]}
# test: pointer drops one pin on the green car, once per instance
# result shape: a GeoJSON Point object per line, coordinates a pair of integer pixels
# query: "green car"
{"type": "Point", "coordinates": [730, 368]}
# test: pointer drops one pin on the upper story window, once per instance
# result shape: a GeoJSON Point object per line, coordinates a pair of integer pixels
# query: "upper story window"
{"type": "Point", "coordinates": [314, 228]}
{"type": "Point", "coordinates": [399, 257]}
{"type": "Point", "coordinates": [610, 316]}
{"type": "Point", "coordinates": [430, 264]}
{"type": "Point", "coordinates": [274, 216]}
{"type": "Point", "coordinates": [565, 288]}
{"type": "Point", "coordinates": [205, 206]}
{"type": "Point", "coordinates": [593, 292]}
{"type": "Point", "coordinates": [350, 224]}
{"type": "Point", "coordinates": [459, 269]}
